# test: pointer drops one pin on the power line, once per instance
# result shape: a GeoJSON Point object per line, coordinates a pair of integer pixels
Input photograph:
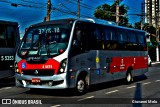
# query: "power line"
{"type": "Point", "coordinates": [21, 4]}
{"type": "Point", "coordinates": [34, 2]}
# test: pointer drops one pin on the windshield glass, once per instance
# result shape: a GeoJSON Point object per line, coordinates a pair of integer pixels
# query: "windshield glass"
{"type": "Point", "coordinates": [45, 40]}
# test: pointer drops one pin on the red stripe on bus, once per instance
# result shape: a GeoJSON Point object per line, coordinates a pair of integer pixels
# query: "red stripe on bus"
{"type": "Point", "coordinates": [50, 64]}
{"type": "Point", "coordinates": [119, 64]}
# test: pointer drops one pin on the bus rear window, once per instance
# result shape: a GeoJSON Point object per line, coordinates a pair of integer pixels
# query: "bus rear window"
{"type": "Point", "coordinates": [7, 36]}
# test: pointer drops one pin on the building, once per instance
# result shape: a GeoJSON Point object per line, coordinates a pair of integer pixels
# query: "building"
{"type": "Point", "coordinates": [152, 13]}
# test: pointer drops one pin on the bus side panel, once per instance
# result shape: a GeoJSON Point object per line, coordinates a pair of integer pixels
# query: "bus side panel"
{"type": "Point", "coordinates": [93, 62]}
{"type": "Point", "coordinates": [114, 64]}
{"type": "Point", "coordinates": [105, 65]}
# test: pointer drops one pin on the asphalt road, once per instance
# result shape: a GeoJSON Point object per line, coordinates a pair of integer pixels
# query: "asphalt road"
{"type": "Point", "coordinates": [143, 92]}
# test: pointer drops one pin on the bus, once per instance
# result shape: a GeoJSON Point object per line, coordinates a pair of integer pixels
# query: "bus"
{"type": "Point", "coordinates": [76, 53]}
{"type": "Point", "coordinates": [9, 41]}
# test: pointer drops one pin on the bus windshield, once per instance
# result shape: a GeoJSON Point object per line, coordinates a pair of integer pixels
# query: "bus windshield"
{"type": "Point", "coordinates": [49, 40]}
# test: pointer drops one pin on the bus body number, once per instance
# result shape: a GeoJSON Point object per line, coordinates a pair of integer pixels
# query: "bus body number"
{"type": "Point", "coordinates": [7, 58]}
{"type": "Point", "coordinates": [47, 66]}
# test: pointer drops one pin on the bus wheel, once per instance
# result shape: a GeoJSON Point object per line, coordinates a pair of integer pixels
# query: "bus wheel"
{"type": "Point", "coordinates": [129, 77]}
{"type": "Point", "coordinates": [81, 86]}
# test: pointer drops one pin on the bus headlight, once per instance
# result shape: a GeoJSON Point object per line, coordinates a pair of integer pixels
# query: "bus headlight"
{"type": "Point", "coordinates": [62, 66]}
{"type": "Point", "coordinates": [62, 70]}
{"type": "Point", "coordinates": [16, 68]}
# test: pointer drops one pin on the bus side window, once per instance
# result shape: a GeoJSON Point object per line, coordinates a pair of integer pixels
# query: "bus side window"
{"type": "Point", "coordinates": [97, 35]}
{"type": "Point", "coordinates": [11, 36]}
{"type": "Point", "coordinates": [2, 36]}
{"type": "Point", "coordinates": [132, 43]}
{"type": "Point", "coordinates": [76, 47]}
{"type": "Point", "coordinates": [107, 33]}
{"type": "Point", "coordinates": [92, 38]}
{"type": "Point", "coordinates": [114, 41]}
{"type": "Point", "coordinates": [141, 42]}
{"type": "Point", "coordinates": [122, 40]}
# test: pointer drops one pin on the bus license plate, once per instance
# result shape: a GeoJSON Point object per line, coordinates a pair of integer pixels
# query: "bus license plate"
{"type": "Point", "coordinates": [36, 80]}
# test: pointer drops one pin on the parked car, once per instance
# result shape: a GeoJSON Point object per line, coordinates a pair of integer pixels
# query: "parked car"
{"type": "Point", "coordinates": [149, 61]}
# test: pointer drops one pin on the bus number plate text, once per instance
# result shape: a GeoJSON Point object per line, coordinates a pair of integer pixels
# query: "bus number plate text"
{"type": "Point", "coordinates": [36, 80]}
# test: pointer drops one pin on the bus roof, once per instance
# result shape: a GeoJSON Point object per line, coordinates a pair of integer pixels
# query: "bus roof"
{"type": "Point", "coordinates": [96, 21]}
{"type": "Point", "coordinates": [54, 22]}
{"type": "Point", "coordinates": [8, 22]}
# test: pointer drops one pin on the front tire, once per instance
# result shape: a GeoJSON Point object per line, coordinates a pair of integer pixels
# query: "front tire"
{"type": "Point", "coordinates": [81, 86]}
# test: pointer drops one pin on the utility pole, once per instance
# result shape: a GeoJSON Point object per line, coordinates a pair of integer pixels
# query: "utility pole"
{"type": "Point", "coordinates": [117, 11]}
{"type": "Point", "coordinates": [157, 30]}
{"type": "Point", "coordinates": [142, 15]}
{"type": "Point", "coordinates": [48, 10]}
{"type": "Point", "coordinates": [157, 37]}
{"type": "Point", "coordinates": [78, 15]}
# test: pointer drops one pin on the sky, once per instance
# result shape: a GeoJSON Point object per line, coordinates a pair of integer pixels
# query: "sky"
{"type": "Point", "coordinates": [33, 11]}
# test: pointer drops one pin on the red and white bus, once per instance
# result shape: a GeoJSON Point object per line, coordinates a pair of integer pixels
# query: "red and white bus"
{"type": "Point", "coordinates": [76, 53]}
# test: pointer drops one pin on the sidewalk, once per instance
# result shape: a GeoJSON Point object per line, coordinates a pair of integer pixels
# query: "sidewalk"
{"type": "Point", "coordinates": [155, 63]}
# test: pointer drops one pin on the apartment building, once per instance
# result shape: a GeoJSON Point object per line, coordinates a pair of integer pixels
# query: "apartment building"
{"type": "Point", "coordinates": [152, 13]}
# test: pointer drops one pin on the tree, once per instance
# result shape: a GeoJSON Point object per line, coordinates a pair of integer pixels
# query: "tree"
{"type": "Point", "coordinates": [108, 12]}
{"type": "Point", "coordinates": [137, 25]}
{"type": "Point", "coordinates": [149, 28]}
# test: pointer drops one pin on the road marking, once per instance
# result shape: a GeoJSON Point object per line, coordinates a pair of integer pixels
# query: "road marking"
{"type": "Point", "coordinates": [157, 81]}
{"type": "Point", "coordinates": [56, 106]}
{"type": "Point", "coordinates": [5, 88]}
{"type": "Point", "coordinates": [111, 92]}
{"type": "Point", "coordinates": [131, 87]}
{"type": "Point", "coordinates": [146, 83]}
{"type": "Point", "coordinates": [86, 98]}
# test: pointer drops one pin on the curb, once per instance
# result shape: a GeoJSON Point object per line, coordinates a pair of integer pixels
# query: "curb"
{"type": "Point", "coordinates": [155, 63]}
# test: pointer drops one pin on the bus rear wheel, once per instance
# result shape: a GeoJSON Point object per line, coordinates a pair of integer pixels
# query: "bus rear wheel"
{"type": "Point", "coordinates": [81, 86]}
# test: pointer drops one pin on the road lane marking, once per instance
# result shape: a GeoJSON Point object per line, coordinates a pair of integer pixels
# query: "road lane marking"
{"type": "Point", "coordinates": [86, 98]}
{"type": "Point", "coordinates": [157, 81]}
{"type": "Point", "coordinates": [56, 106]}
{"type": "Point", "coordinates": [131, 87]}
{"type": "Point", "coordinates": [111, 91]}
{"type": "Point", "coordinates": [146, 83]}
{"type": "Point", "coordinates": [5, 88]}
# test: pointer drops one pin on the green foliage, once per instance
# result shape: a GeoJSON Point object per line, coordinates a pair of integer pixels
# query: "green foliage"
{"type": "Point", "coordinates": [149, 28]}
{"type": "Point", "coordinates": [108, 12]}
{"type": "Point", "coordinates": [152, 31]}
{"type": "Point", "coordinates": [137, 25]}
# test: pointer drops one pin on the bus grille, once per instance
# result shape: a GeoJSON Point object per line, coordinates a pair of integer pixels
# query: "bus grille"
{"type": "Point", "coordinates": [38, 72]}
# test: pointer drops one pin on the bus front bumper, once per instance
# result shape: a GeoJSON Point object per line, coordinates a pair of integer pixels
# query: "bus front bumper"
{"type": "Point", "coordinates": [44, 82]}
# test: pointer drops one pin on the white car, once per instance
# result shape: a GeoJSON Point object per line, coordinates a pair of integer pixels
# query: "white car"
{"type": "Point", "coordinates": [149, 61]}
